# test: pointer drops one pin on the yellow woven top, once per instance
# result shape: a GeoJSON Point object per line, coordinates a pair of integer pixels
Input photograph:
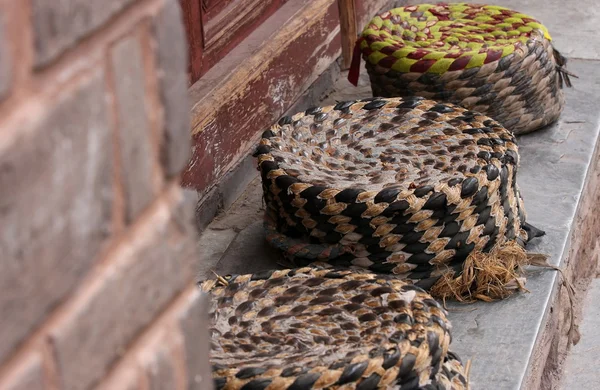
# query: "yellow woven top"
{"type": "Point", "coordinates": [446, 37]}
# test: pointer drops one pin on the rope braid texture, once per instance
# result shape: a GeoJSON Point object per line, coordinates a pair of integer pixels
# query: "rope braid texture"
{"type": "Point", "coordinates": [406, 186]}
{"type": "Point", "coordinates": [394, 196]}
{"type": "Point", "coordinates": [320, 329]}
{"type": "Point", "coordinates": [422, 193]}
{"type": "Point", "coordinates": [485, 58]}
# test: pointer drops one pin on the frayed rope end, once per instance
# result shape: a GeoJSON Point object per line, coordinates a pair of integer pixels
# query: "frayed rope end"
{"type": "Point", "coordinates": [561, 68]}
{"type": "Point", "coordinates": [487, 276]}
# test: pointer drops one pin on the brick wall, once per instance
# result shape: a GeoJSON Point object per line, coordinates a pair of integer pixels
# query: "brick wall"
{"type": "Point", "coordinates": [97, 244]}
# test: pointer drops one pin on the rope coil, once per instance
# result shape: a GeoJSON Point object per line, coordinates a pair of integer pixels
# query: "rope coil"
{"type": "Point", "coordinates": [319, 328]}
{"type": "Point", "coordinates": [485, 58]}
{"type": "Point", "coordinates": [403, 186]}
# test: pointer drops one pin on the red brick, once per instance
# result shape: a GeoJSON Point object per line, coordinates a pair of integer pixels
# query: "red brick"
{"type": "Point", "coordinates": [171, 62]}
{"type": "Point", "coordinates": [60, 25]}
{"type": "Point", "coordinates": [127, 377]}
{"type": "Point", "coordinates": [185, 215]}
{"type": "Point", "coordinates": [193, 321]}
{"type": "Point", "coordinates": [5, 58]}
{"type": "Point", "coordinates": [135, 138]}
{"type": "Point", "coordinates": [158, 361]}
{"type": "Point", "coordinates": [145, 273]}
{"type": "Point", "coordinates": [55, 204]}
{"type": "Point", "coordinates": [28, 375]}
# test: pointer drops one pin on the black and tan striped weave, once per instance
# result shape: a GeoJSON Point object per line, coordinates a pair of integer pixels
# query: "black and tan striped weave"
{"type": "Point", "coordinates": [320, 329]}
{"type": "Point", "coordinates": [403, 186]}
{"type": "Point", "coordinates": [485, 58]}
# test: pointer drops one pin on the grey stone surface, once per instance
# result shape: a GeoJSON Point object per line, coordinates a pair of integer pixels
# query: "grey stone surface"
{"type": "Point", "coordinates": [573, 26]}
{"type": "Point", "coordinates": [207, 208]}
{"type": "Point", "coordinates": [344, 91]}
{"type": "Point", "coordinates": [212, 246]}
{"type": "Point", "coordinates": [249, 253]}
{"type": "Point", "coordinates": [235, 182]}
{"type": "Point", "coordinates": [247, 209]}
{"type": "Point", "coordinates": [499, 337]}
{"type": "Point", "coordinates": [135, 133]}
{"type": "Point", "coordinates": [234, 242]}
{"type": "Point", "coordinates": [581, 371]}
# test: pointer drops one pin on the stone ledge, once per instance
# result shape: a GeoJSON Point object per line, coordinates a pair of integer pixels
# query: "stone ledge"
{"type": "Point", "coordinates": [499, 337]}
{"type": "Point", "coordinates": [504, 339]}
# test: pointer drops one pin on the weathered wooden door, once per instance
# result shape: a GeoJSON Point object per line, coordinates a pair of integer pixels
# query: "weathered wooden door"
{"type": "Point", "coordinates": [214, 27]}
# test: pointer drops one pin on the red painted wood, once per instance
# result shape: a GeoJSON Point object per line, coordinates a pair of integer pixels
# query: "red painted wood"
{"type": "Point", "coordinates": [348, 30]}
{"type": "Point", "coordinates": [193, 27]}
{"type": "Point", "coordinates": [215, 27]}
{"type": "Point", "coordinates": [233, 24]}
{"type": "Point", "coordinates": [210, 8]}
{"type": "Point", "coordinates": [240, 119]}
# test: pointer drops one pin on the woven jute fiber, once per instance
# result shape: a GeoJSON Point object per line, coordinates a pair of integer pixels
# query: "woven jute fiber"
{"type": "Point", "coordinates": [320, 329]}
{"type": "Point", "coordinates": [406, 186]}
{"type": "Point", "coordinates": [486, 58]}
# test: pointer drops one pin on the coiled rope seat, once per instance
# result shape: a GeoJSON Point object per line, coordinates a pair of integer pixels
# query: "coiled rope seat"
{"type": "Point", "coordinates": [407, 186]}
{"type": "Point", "coordinates": [320, 329]}
{"type": "Point", "coordinates": [485, 58]}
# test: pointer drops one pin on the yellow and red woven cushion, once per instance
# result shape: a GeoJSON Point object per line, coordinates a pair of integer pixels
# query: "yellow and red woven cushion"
{"type": "Point", "coordinates": [446, 37]}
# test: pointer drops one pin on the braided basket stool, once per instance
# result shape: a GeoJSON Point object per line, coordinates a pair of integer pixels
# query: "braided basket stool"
{"type": "Point", "coordinates": [404, 186]}
{"type": "Point", "coordinates": [318, 329]}
{"type": "Point", "coordinates": [486, 58]}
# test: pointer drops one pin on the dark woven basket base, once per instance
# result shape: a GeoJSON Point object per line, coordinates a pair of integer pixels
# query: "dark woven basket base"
{"type": "Point", "coordinates": [521, 91]}
{"type": "Point", "coordinates": [320, 329]}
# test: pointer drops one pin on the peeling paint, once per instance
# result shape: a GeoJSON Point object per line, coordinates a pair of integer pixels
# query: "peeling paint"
{"type": "Point", "coordinates": [231, 127]}
{"type": "Point", "coordinates": [305, 28]}
{"type": "Point", "coordinates": [278, 91]}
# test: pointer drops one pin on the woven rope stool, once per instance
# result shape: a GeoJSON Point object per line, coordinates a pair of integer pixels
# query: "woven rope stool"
{"type": "Point", "coordinates": [485, 58]}
{"type": "Point", "coordinates": [319, 329]}
{"type": "Point", "coordinates": [423, 190]}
